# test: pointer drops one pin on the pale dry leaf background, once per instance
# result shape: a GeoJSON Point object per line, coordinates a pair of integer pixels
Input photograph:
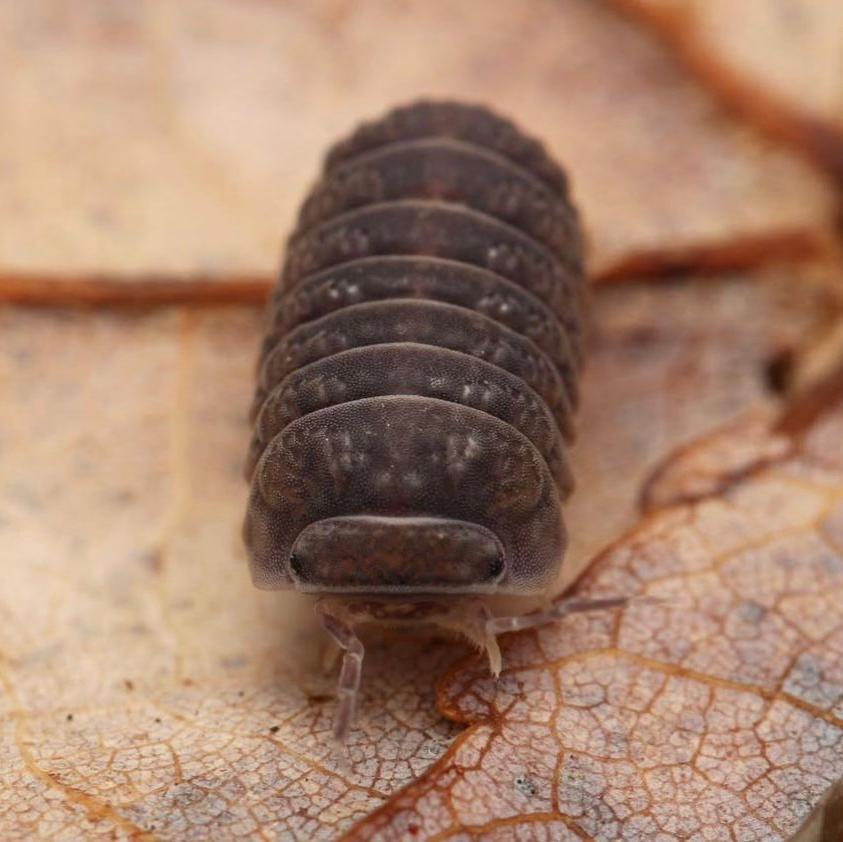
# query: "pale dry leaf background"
{"type": "Point", "coordinates": [156, 151]}
{"type": "Point", "coordinates": [204, 116]}
{"type": "Point", "coordinates": [778, 63]}
{"type": "Point", "coordinates": [658, 376]}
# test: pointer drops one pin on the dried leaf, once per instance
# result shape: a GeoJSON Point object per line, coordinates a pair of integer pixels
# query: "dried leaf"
{"type": "Point", "coordinates": [716, 713]}
{"type": "Point", "coordinates": [169, 143]}
{"type": "Point", "coordinates": [145, 686]}
{"type": "Point", "coordinates": [779, 63]}
{"type": "Point", "coordinates": [667, 364]}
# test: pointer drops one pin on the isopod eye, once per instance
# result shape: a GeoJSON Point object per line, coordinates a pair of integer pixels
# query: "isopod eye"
{"type": "Point", "coordinates": [296, 566]}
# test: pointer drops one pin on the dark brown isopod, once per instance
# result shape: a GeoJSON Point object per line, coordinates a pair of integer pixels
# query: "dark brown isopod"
{"type": "Point", "coordinates": [417, 382]}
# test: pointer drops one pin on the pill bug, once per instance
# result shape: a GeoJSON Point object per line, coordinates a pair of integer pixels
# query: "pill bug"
{"type": "Point", "coordinates": [417, 382]}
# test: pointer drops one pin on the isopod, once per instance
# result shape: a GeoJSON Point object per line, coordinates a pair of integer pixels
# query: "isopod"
{"type": "Point", "coordinates": [417, 383]}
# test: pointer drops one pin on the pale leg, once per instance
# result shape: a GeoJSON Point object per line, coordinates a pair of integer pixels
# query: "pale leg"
{"type": "Point", "coordinates": [499, 625]}
{"type": "Point", "coordinates": [350, 672]}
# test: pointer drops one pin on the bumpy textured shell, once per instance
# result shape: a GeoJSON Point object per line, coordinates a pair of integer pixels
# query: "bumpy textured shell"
{"type": "Point", "coordinates": [419, 372]}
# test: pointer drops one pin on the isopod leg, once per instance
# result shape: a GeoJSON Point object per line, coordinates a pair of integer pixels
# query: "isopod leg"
{"type": "Point", "coordinates": [350, 672]}
{"type": "Point", "coordinates": [330, 657]}
{"type": "Point", "coordinates": [499, 625]}
{"type": "Point", "coordinates": [486, 639]}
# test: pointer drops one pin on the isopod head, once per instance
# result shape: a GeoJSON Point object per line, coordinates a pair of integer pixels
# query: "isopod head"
{"type": "Point", "coordinates": [403, 494]}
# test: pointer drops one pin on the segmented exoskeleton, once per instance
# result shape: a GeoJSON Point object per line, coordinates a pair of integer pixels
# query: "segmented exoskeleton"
{"type": "Point", "coordinates": [418, 379]}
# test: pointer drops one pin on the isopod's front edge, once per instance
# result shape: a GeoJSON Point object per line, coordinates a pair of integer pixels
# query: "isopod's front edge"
{"type": "Point", "coordinates": [403, 495]}
{"type": "Point", "coordinates": [440, 253]}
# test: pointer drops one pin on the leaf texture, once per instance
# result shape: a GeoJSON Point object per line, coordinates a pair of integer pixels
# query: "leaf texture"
{"type": "Point", "coordinates": [194, 129]}
{"type": "Point", "coordinates": [715, 712]}
{"type": "Point", "coordinates": [147, 687]}
{"type": "Point", "coordinates": [779, 64]}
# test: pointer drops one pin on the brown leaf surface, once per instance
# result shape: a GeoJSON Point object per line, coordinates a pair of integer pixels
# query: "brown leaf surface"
{"type": "Point", "coordinates": [660, 375]}
{"type": "Point", "coordinates": [145, 686]}
{"type": "Point", "coordinates": [779, 63]}
{"type": "Point", "coordinates": [169, 143]}
{"type": "Point", "coordinates": [716, 714]}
